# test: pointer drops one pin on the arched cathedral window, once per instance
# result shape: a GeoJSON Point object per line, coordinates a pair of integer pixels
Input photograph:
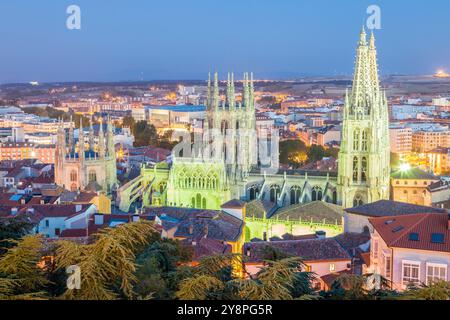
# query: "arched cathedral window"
{"type": "Point", "coordinates": [358, 201]}
{"type": "Point", "coordinates": [356, 140]}
{"type": "Point", "coordinates": [316, 194]}
{"type": "Point", "coordinates": [364, 169]}
{"type": "Point", "coordinates": [274, 193]}
{"type": "Point", "coordinates": [73, 176]}
{"type": "Point", "coordinates": [253, 192]}
{"type": "Point", "coordinates": [92, 176]}
{"type": "Point", "coordinates": [355, 169]}
{"type": "Point", "coordinates": [295, 195]}
{"type": "Point", "coordinates": [365, 140]}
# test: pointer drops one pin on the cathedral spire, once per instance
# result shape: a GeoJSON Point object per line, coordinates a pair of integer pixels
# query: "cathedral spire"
{"type": "Point", "coordinates": [91, 134]}
{"type": "Point", "coordinates": [251, 94]}
{"type": "Point", "coordinates": [71, 136]}
{"type": "Point", "coordinates": [365, 80]}
{"type": "Point", "coordinates": [208, 92]}
{"type": "Point", "coordinates": [245, 92]}
{"type": "Point", "coordinates": [230, 92]}
{"type": "Point", "coordinates": [81, 141]}
{"type": "Point", "coordinates": [362, 37]}
{"type": "Point", "coordinates": [110, 138]}
{"type": "Point", "coordinates": [216, 92]}
{"type": "Point", "coordinates": [101, 141]}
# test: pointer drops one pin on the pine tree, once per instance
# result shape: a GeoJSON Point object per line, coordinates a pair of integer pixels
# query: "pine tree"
{"type": "Point", "coordinates": [108, 264]}
{"type": "Point", "coordinates": [21, 277]}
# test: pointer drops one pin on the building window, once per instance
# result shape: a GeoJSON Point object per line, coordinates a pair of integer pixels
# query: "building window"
{"type": "Point", "coordinates": [364, 142]}
{"type": "Point", "coordinates": [357, 201]}
{"type": "Point", "coordinates": [364, 169]}
{"type": "Point", "coordinates": [92, 176]}
{"type": "Point", "coordinates": [73, 176]}
{"type": "Point", "coordinates": [355, 169]}
{"type": "Point", "coordinates": [436, 272]}
{"type": "Point", "coordinates": [356, 140]}
{"type": "Point", "coordinates": [275, 191]}
{"type": "Point", "coordinates": [411, 272]}
{"type": "Point", "coordinates": [295, 195]}
{"type": "Point", "coordinates": [387, 266]}
{"type": "Point", "coordinates": [332, 267]}
{"type": "Point", "coordinates": [316, 194]}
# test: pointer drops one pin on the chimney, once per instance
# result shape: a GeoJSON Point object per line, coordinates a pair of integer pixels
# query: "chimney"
{"type": "Point", "coordinates": [98, 219]}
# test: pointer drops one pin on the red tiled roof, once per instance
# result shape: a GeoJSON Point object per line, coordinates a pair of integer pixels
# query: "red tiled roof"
{"type": "Point", "coordinates": [328, 279]}
{"type": "Point", "coordinates": [396, 231]}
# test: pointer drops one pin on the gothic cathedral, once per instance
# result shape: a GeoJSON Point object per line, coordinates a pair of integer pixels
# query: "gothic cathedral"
{"type": "Point", "coordinates": [86, 165]}
{"type": "Point", "coordinates": [364, 157]}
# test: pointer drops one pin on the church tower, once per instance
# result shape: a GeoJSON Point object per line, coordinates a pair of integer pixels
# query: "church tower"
{"type": "Point", "coordinates": [364, 157]}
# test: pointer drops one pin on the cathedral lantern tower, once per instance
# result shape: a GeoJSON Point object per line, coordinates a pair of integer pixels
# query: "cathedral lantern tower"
{"type": "Point", "coordinates": [364, 157]}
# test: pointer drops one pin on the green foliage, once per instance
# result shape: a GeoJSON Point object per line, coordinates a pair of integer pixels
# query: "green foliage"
{"type": "Point", "coordinates": [289, 148]}
{"type": "Point", "coordinates": [157, 273]}
{"type": "Point", "coordinates": [439, 290]}
{"type": "Point", "coordinates": [145, 134]}
{"type": "Point", "coordinates": [128, 121]}
{"type": "Point", "coordinates": [20, 276]}
{"type": "Point", "coordinates": [13, 229]}
{"type": "Point", "coordinates": [295, 153]}
{"type": "Point", "coordinates": [107, 265]}
{"type": "Point", "coordinates": [201, 287]}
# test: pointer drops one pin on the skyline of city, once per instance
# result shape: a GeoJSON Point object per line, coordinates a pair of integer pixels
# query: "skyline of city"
{"type": "Point", "coordinates": [179, 41]}
{"type": "Point", "coordinates": [215, 174]}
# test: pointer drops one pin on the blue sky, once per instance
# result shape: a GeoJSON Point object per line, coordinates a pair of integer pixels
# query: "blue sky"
{"type": "Point", "coordinates": [183, 39]}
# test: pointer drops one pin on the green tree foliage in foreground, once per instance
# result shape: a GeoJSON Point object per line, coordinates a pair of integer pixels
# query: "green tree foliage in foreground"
{"type": "Point", "coordinates": [132, 262]}
{"type": "Point", "coordinates": [20, 276]}
{"type": "Point", "coordinates": [108, 264]}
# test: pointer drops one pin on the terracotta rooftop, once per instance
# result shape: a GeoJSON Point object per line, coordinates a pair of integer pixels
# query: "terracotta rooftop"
{"type": "Point", "coordinates": [420, 231]}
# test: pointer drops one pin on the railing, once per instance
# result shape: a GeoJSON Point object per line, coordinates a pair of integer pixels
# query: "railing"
{"type": "Point", "coordinates": [302, 222]}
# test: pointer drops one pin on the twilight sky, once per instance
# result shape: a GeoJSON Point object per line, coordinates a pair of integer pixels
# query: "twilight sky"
{"type": "Point", "coordinates": [183, 39]}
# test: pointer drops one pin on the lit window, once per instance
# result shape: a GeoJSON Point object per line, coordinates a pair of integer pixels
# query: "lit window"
{"type": "Point", "coordinates": [436, 272]}
{"type": "Point", "coordinates": [411, 271]}
{"type": "Point", "coordinates": [387, 266]}
{"type": "Point", "coordinates": [332, 267]}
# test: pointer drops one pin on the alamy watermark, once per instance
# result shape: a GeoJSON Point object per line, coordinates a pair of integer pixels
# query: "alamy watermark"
{"type": "Point", "coordinates": [374, 20]}
{"type": "Point", "coordinates": [74, 279]}
{"type": "Point", "coordinates": [73, 21]}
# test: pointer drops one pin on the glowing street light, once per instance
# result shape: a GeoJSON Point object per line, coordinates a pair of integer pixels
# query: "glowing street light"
{"type": "Point", "coordinates": [404, 167]}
